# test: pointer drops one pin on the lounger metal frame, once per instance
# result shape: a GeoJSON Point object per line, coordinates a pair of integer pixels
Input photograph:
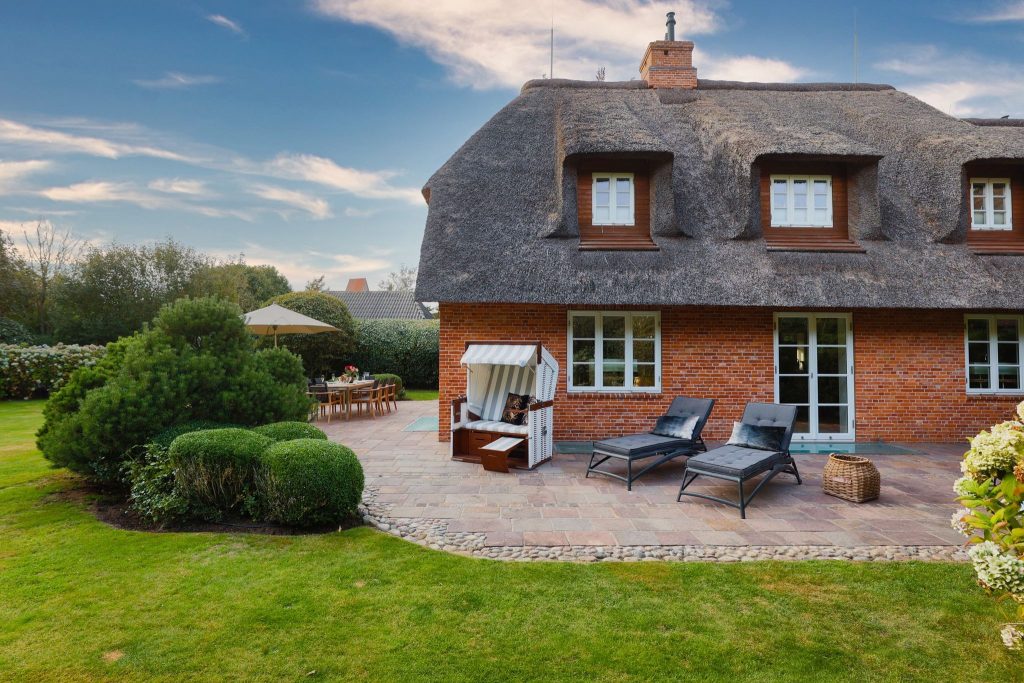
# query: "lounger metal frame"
{"type": "Point", "coordinates": [786, 466]}
{"type": "Point", "coordinates": [696, 446]}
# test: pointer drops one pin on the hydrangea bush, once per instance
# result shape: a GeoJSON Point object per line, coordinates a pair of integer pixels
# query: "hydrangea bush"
{"type": "Point", "coordinates": [26, 371]}
{"type": "Point", "coordinates": [992, 519]}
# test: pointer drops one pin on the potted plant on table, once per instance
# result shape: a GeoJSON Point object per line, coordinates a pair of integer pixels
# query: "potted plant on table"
{"type": "Point", "coordinates": [351, 373]}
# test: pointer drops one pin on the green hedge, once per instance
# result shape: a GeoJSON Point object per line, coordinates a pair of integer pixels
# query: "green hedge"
{"type": "Point", "coordinates": [309, 482]}
{"type": "Point", "coordinates": [288, 431]}
{"type": "Point", "coordinates": [407, 348]}
{"type": "Point", "coordinates": [26, 371]}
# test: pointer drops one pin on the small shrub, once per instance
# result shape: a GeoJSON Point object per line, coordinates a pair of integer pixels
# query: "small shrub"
{"type": "Point", "coordinates": [409, 348]}
{"type": "Point", "coordinates": [166, 437]}
{"type": "Point", "coordinates": [309, 482]}
{"type": "Point", "coordinates": [385, 377]}
{"type": "Point", "coordinates": [288, 431]}
{"type": "Point", "coordinates": [154, 494]}
{"type": "Point", "coordinates": [214, 469]}
{"type": "Point", "coordinates": [13, 332]}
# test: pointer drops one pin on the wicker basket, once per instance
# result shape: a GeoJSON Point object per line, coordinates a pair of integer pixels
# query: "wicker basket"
{"type": "Point", "coordinates": [851, 478]}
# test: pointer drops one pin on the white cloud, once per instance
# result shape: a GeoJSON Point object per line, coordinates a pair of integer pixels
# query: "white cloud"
{"type": "Point", "coordinates": [174, 80]}
{"type": "Point", "coordinates": [353, 212]}
{"type": "Point", "coordinates": [323, 171]}
{"type": "Point", "coordinates": [493, 43]}
{"type": "Point", "coordinates": [748, 68]}
{"type": "Point", "coordinates": [1001, 12]}
{"type": "Point", "coordinates": [101, 191]}
{"type": "Point", "coordinates": [314, 206]}
{"type": "Point", "coordinates": [959, 83]}
{"type": "Point", "coordinates": [60, 142]}
{"type": "Point", "coordinates": [192, 188]}
{"type": "Point", "coordinates": [301, 266]}
{"type": "Point", "coordinates": [224, 22]}
{"type": "Point", "coordinates": [12, 172]}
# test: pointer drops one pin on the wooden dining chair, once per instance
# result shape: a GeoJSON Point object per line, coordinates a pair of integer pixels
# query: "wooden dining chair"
{"type": "Point", "coordinates": [392, 395]}
{"type": "Point", "coordinates": [365, 397]}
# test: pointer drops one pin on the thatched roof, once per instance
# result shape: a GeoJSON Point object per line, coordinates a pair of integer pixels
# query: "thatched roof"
{"type": "Point", "coordinates": [502, 220]}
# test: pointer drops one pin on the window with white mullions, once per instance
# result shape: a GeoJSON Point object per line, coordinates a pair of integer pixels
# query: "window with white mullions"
{"type": "Point", "coordinates": [993, 349]}
{"type": "Point", "coordinates": [614, 351]}
{"type": "Point", "coordinates": [991, 208]}
{"type": "Point", "coordinates": [613, 199]}
{"type": "Point", "coordinates": [801, 201]}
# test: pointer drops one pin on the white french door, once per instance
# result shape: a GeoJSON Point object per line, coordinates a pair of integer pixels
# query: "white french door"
{"type": "Point", "coordinates": [814, 372]}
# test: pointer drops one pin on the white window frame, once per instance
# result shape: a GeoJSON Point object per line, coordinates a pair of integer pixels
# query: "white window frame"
{"type": "Point", "coordinates": [613, 179]}
{"type": "Point", "coordinates": [989, 209]}
{"type": "Point", "coordinates": [811, 179]}
{"type": "Point", "coordinates": [993, 354]}
{"type": "Point", "coordinates": [599, 352]}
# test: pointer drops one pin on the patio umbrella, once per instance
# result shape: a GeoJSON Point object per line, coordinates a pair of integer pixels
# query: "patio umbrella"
{"type": "Point", "coordinates": [274, 319]}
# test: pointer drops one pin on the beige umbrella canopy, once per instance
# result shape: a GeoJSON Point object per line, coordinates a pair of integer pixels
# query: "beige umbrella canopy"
{"type": "Point", "coordinates": [274, 319]}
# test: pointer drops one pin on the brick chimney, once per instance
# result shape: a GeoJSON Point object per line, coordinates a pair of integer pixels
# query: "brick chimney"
{"type": "Point", "coordinates": [669, 63]}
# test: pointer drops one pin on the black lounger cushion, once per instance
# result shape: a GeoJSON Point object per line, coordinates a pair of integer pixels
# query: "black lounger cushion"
{"type": "Point", "coordinates": [676, 426]}
{"type": "Point", "coordinates": [736, 461]}
{"type": "Point", "coordinates": [637, 445]}
{"type": "Point", "coordinates": [762, 437]}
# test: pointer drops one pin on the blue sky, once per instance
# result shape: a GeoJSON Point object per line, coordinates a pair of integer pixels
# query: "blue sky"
{"type": "Point", "coordinates": [299, 132]}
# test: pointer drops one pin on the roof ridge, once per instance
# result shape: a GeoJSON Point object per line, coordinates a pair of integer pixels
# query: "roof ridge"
{"type": "Point", "coordinates": [705, 84]}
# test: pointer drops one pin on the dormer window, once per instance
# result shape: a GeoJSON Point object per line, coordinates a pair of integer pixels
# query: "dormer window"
{"type": "Point", "coordinates": [613, 203]}
{"type": "Point", "coordinates": [614, 199]}
{"type": "Point", "coordinates": [990, 204]}
{"type": "Point", "coordinates": [804, 205]}
{"type": "Point", "coordinates": [993, 193]}
{"type": "Point", "coordinates": [801, 201]}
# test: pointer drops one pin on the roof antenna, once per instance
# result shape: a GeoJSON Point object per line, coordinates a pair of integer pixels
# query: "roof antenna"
{"type": "Point", "coordinates": [856, 50]}
{"type": "Point", "coordinates": [670, 25]}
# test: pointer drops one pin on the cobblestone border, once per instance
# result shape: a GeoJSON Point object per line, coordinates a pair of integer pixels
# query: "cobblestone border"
{"type": "Point", "coordinates": [433, 533]}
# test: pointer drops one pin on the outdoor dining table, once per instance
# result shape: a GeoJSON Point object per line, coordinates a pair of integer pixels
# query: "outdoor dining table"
{"type": "Point", "coordinates": [346, 389]}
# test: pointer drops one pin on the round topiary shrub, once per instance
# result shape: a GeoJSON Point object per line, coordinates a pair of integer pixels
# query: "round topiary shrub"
{"type": "Point", "coordinates": [389, 378]}
{"type": "Point", "coordinates": [214, 469]}
{"type": "Point", "coordinates": [165, 438]}
{"type": "Point", "coordinates": [309, 482]}
{"type": "Point", "coordinates": [289, 431]}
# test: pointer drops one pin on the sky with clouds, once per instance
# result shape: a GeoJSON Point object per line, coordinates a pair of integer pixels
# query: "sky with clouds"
{"type": "Point", "coordinates": [299, 132]}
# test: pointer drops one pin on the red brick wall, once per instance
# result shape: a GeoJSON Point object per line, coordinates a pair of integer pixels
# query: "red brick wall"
{"type": "Point", "coordinates": [909, 370]}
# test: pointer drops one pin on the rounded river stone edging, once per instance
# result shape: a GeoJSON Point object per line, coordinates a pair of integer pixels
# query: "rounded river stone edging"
{"type": "Point", "coordinates": [433, 533]}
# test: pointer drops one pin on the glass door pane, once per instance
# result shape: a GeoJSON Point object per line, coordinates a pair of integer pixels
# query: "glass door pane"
{"type": "Point", "coordinates": [794, 368]}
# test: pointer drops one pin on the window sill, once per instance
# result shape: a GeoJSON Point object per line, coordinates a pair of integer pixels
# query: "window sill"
{"type": "Point", "coordinates": [618, 245]}
{"type": "Point", "coordinates": [614, 393]}
{"type": "Point", "coordinates": [995, 393]}
{"type": "Point", "coordinates": [813, 243]}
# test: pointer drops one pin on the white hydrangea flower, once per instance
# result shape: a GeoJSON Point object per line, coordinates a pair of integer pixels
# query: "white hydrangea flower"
{"type": "Point", "coordinates": [958, 523]}
{"type": "Point", "coordinates": [996, 451]}
{"type": "Point", "coordinates": [1013, 637]}
{"type": "Point", "coordinates": [996, 569]}
{"type": "Point", "coordinates": [960, 486]}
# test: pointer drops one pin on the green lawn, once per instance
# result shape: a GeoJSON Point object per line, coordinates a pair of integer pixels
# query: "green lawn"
{"type": "Point", "coordinates": [82, 601]}
{"type": "Point", "coordinates": [421, 394]}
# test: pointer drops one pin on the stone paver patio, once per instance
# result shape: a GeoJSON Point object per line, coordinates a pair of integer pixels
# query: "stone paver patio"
{"type": "Point", "coordinates": [416, 491]}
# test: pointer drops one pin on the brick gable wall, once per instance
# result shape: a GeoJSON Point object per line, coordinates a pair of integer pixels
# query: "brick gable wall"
{"type": "Point", "coordinates": [909, 370]}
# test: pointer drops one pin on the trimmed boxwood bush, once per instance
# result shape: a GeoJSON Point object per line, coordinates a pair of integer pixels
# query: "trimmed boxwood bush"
{"type": "Point", "coordinates": [288, 431]}
{"type": "Point", "coordinates": [214, 469]}
{"type": "Point", "coordinates": [166, 437]}
{"type": "Point", "coordinates": [385, 377]}
{"type": "Point", "coordinates": [309, 482]}
{"type": "Point", "coordinates": [408, 348]}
